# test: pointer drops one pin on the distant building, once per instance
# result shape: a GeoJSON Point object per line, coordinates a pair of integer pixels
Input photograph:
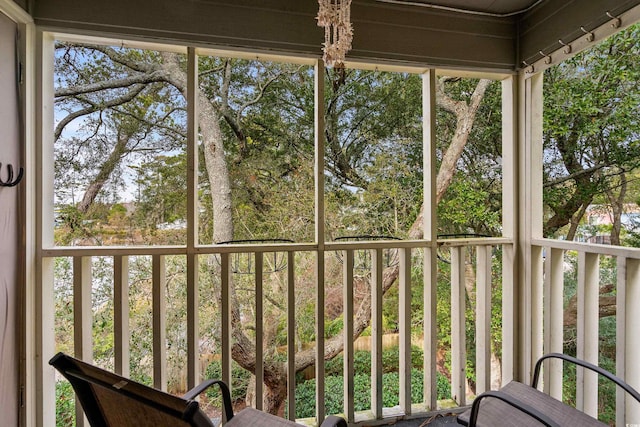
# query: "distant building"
{"type": "Point", "coordinates": [601, 216]}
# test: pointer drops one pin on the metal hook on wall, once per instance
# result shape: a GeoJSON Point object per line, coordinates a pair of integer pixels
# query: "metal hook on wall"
{"type": "Point", "coordinates": [616, 22]}
{"type": "Point", "coordinates": [567, 47]}
{"type": "Point", "coordinates": [590, 36]}
{"type": "Point", "coordinates": [10, 182]}
{"type": "Point", "coordinates": [547, 58]}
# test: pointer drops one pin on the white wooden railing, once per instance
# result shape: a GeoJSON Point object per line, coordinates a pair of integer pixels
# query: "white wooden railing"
{"type": "Point", "coordinates": [551, 256]}
{"type": "Point", "coordinates": [546, 317]}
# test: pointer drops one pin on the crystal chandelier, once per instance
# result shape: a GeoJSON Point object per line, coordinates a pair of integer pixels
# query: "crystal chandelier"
{"type": "Point", "coordinates": [335, 17]}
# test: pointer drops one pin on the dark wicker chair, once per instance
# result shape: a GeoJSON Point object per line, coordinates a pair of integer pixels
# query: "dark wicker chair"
{"type": "Point", "coordinates": [110, 400]}
{"type": "Point", "coordinates": [519, 405]}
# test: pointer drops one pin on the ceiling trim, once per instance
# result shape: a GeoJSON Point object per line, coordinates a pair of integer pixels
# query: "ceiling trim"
{"type": "Point", "coordinates": [385, 32]}
{"type": "Point", "coordinates": [585, 41]}
{"type": "Point", "coordinates": [472, 7]}
{"type": "Point", "coordinates": [556, 23]}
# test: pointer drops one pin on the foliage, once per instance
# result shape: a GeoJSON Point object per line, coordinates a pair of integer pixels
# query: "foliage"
{"type": "Point", "coordinates": [305, 391]}
{"type": "Point", "coordinates": [240, 380]}
{"type": "Point", "coordinates": [334, 393]}
{"type": "Point", "coordinates": [362, 361]}
{"type": "Point", "coordinates": [65, 404]}
{"type": "Point", "coordinates": [590, 129]}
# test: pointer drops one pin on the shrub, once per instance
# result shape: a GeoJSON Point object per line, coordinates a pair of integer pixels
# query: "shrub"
{"type": "Point", "coordinates": [334, 392]}
{"type": "Point", "coordinates": [361, 364]}
{"type": "Point", "coordinates": [362, 361]}
{"type": "Point", "coordinates": [65, 405]}
{"type": "Point", "coordinates": [240, 378]}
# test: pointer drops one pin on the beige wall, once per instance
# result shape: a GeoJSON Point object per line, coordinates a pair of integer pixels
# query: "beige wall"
{"type": "Point", "coordinates": [9, 268]}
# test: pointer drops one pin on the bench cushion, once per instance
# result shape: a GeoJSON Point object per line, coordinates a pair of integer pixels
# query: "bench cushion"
{"type": "Point", "coordinates": [494, 412]}
{"type": "Point", "coordinates": [250, 417]}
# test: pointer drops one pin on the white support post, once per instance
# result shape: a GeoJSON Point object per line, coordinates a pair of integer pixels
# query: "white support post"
{"type": "Point", "coordinates": [430, 263]}
{"type": "Point", "coordinates": [510, 211]}
{"type": "Point", "coordinates": [458, 335]}
{"type": "Point", "coordinates": [320, 237]}
{"type": "Point", "coordinates": [529, 258]}
{"type": "Point", "coordinates": [159, 299]}
{"type": "Point", "coordinates": [404, 315]}
{"type": "Point", "coordinates": [193, 297]}
{"type": "Point", "coordinates": [44, 306]}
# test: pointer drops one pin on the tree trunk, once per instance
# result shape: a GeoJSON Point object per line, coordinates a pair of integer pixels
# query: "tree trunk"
{"type": "Point", "coordinates": [465, 116]}
{"type": "Point", "coordinates": [607, 306]}
{"type": "Point", "coordinates": [575, 220]}
{"type": "Point", "coordinates": [617, 207]}
{"type": "Point", "coordinates": [90, 194]}
{"type": "Point", "coordinates": [243, 350]}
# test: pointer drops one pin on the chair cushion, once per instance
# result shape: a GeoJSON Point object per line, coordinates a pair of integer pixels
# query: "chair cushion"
{"type": "Point", "coordinates": [252, 417]}
{"type": "Point", "coordinates": [494, 412]}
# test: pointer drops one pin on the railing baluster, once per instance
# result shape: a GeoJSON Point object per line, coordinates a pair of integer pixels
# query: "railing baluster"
{"type": "Point", "coordinates": [159, 299]}
{"type": "Point", "coordinates": [82, 318]}
{"type": "Point", "coordinates": [404, 315]}
{"type": "Point", "coordinates": [536, 308]}
{"type": "Point", "coordinates": [291, 335]}
{"type": "Point", "coordinates": [320, 301]}
{"type": "Point", "coordinates": [376, 332]}
{"type": "Point", "coordinates": [430, 346]}
{"type": "Point", "coordinates": [483, 319]}
{"type": "Point", "coordinates": [587, 327]}
{"type": "Point", "coordinates": [121, 314]}
{"type": "Point", "coordinates": [458, 335]}
{"type": "Point", "coordinates": [554, 328]}
{"type": "Point", "coordinates": [193, 320]}
{"type": "Point", "coordinates": [632, 338]}
{"type": "Point", "coordinates": [347, 300]}
{"type": "Point", "coordinates": [225, 317]}
{"type": "Point", "coordinates": [82, 313]}
{"type": "Point", "coordinates": [621, 333]}
{"type": "Point", "coordinates": [509, 314]}
{"type": "Point", "coordinates": [259, 329]}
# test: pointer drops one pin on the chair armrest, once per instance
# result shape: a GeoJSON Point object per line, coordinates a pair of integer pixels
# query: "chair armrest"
{"type": "Point", "coordinates": [334, 421]}
{"type": "Point", "coordinates": [617, 380]}
{"type": "Point", "coordinates": [475, 408]}
{"type": "Point", "coordinates": [224, 389]}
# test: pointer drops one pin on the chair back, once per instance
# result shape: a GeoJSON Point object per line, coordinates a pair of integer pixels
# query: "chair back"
{"type": "Point", "coordinates": [110, 400]}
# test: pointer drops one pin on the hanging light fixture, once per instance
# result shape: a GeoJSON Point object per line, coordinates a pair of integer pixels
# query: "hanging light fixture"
{"type": "Point", "coordinates": [335, 17]}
